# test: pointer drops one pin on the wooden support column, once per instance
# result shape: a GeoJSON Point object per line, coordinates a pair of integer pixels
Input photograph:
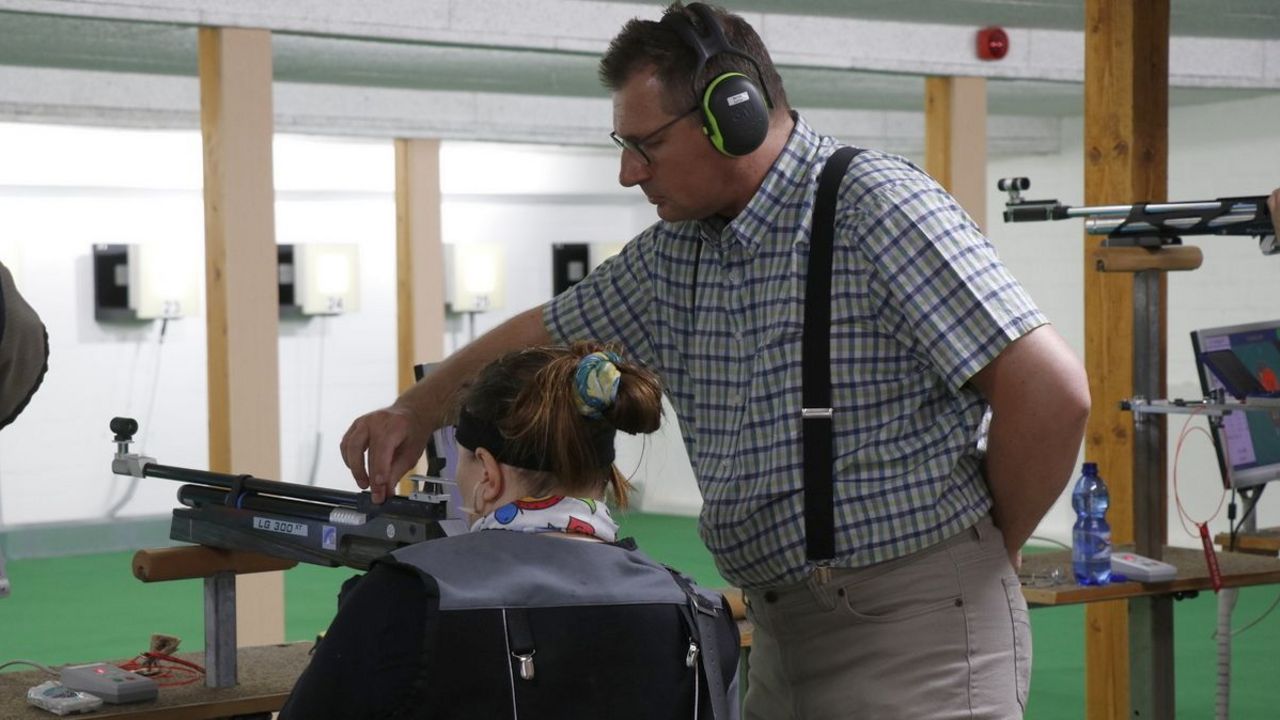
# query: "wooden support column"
{"type": "Point", "coordinates": [955, 140]}
{"type": "Point", "coordinates": [243, 298]}
{"type": "Point", "coordinates": [419, 259]}
{"type": "Point", "coordinates": [1126, 156]}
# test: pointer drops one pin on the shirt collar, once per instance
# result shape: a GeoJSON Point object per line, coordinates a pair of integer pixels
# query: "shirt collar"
{"type": "Point", "coordinates": [788, 176]}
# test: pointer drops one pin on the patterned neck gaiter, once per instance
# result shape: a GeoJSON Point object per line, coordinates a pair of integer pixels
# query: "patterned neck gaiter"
{"type": "Point", "coordinates": [557, 513]}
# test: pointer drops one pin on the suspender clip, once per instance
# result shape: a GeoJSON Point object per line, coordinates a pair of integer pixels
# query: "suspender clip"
{"type": "Point", "coordinates": [822, 573]}
{"type": "Point", "coordinates": [816, 413]}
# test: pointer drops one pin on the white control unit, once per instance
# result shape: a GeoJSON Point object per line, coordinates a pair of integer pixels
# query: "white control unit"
{"type": "Point", "coordinates": [109, 682]}
{"type": "Point", "coordinates": [1142, 569]}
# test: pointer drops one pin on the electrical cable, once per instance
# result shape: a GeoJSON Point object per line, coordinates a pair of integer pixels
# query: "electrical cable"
{"type": "Point", "coordinates": [165, 670]}
{"type": "Point", "coordinates": [1227, 597]}
{"type": "Point", "coordinates": [1183, 516]}
{"type": "Point", "coordinates": [151, 406]}
{"type": "Point", "coordinates": [315, 450]}
{"type": "Point", "coordinates": [1222, 699]}
{"type": "Point", "coordinates": [32, 663]}
{"type": "Point", "coordinates": [1251, 497]}
{"type": "Point", "coordinates": [1051, 541]}
{"type": "Point", "coordinates": [1274, 603]}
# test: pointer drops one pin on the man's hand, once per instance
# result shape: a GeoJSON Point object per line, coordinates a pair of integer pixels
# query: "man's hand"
{"type": "Point", "coordinates": [393, 440]}
{"type": "Point", "coordinates": [381, 446]}
{"type": "Point", "coordinates": [1015, 559]}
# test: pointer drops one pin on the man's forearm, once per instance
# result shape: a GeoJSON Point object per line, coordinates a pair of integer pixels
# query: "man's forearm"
{"type": "Point", "coordinates": [1027, 468]}
{"type": "Point", "coordinates": [428, 399]}
{"type": "Point", "coordinates": [1039, 397]}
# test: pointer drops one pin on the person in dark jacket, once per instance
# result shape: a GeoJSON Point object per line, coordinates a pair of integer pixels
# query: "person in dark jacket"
{"type": "Point", "coordinates": [24, 350]}
{"type": "Point", "coordinates": [24, 359]}
{"type": "Point", "coordinates": [541, 611]}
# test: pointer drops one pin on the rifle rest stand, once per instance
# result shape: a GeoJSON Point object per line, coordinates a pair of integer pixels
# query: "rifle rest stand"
{"type": "Point", "coordinates": [219, 569]}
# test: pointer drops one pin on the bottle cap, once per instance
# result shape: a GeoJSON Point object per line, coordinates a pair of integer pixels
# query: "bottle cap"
{"type": "Point", "coordinates": [1090, 468]}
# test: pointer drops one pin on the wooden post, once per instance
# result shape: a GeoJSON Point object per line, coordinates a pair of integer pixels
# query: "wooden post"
{"type": "Point", "coordinates": [419, 259]}
{"type": "Point", "coordinates": [955, 140]}
{"type": "Point", "coordinates": [1126, 156]}
{"type": "Point", "coordinates": [242, 292]}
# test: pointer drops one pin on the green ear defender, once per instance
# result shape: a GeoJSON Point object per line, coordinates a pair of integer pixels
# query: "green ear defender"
{"type": "Point", "coordinates": [735, 111]}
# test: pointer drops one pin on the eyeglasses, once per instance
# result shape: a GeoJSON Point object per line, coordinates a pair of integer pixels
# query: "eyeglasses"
{"type": "Point", "coordinates": [637, 146]}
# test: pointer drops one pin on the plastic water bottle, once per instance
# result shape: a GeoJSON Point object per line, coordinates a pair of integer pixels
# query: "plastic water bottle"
{"type": "Point", "coordinates": [1091, 539]}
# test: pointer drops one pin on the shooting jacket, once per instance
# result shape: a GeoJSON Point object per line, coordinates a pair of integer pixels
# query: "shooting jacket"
{"type": "Point", "coordinates": [499, 624]}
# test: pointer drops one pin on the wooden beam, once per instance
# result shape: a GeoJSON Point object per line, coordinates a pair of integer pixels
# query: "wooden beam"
{"type": "Point", "coordinates": [955, 140]}
{"type": "Point", "coordinates": [419, 257]}
{"type": "Point", "coordinates": [242, 286]}
{"type": "Point", "coordinates": [419, 260]}
{"type": "Point", "coordinates": [1126, 156]}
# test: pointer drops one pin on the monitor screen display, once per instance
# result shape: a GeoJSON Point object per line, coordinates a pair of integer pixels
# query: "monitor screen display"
{"type": "Point", "coordinates": [1244, 361]}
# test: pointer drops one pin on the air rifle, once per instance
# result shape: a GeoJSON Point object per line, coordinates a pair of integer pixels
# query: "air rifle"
{"type": "Point", "coordinates": [1150, 225]}
{"type": "Point", "coordinates": [299, 522]}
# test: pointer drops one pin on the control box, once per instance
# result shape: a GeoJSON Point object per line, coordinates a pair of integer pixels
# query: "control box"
{"type": "Point", "coordinates": [1142, 569]}
{"type": "Point", "coordinates": [109, 682]}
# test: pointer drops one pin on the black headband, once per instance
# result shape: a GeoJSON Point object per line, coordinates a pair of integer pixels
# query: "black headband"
{"type": "Point", "coordinates": [471, 433]}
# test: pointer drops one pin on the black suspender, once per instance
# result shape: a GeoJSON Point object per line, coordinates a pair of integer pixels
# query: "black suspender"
{"type": "Point", "coordinates": [816, 415]}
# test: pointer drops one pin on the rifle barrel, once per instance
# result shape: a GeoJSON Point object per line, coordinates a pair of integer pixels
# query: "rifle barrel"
{"type": "Point", "coordinates": [253, 484]}
{"type": "Point", "coordinates": [1109, 225]}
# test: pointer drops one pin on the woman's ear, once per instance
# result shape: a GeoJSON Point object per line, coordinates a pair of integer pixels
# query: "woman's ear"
{"type": "Point", "coordinates": [493, 483]}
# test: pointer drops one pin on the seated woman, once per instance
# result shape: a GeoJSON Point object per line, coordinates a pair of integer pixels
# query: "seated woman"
{"type": "Point", "coordinates": [540, 611]}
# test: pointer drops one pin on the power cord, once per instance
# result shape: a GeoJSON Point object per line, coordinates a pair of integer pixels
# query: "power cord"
{"type": "Point", "coordinates": [151, 406]}
{"type": "Point", "coordinates": [1251, 497]}
{"type": "Point", "coordinates": [319, 395]}
{"type": "Point", "coordinates": [1051, 541]}
{"type": "Point", "coordinates": [32, 663]}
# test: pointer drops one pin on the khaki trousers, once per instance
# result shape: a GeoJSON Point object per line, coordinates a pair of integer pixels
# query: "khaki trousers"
{"type": "Point", "coordinates": [940, 634]}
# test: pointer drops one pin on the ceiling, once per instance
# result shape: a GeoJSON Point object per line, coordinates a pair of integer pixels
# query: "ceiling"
{"type": "Point", "coordinates": [153, 48]}
{"type": "Point", "coordinates": [1258, 19]}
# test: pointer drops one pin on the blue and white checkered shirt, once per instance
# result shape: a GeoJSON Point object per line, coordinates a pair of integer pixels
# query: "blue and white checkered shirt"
{"type": "Point", "coordinates": [920, 303]}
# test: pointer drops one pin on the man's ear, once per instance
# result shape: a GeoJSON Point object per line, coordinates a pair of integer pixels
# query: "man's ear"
{"type": "Point", "coordinates": [492, 483]}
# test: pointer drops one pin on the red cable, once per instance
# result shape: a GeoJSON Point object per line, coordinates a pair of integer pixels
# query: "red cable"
{"type": "Point", "coordinates": [1183, 516]}
{"type": "Point", "coordinates": [161, 669]}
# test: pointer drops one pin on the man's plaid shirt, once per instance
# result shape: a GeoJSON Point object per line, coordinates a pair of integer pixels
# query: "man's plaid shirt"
{"type": "Point", "coordinates": [920, 303]}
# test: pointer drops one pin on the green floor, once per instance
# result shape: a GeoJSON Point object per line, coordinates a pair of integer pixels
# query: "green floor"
{"type": "Point", "coordinates": [85, 608]}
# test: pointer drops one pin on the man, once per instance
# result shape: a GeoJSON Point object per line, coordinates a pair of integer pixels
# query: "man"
{"type": "Point", "coordinates": [920, 614]}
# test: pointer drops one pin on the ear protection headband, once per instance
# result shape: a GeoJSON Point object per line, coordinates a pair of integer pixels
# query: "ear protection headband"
{"type": "Point", "coordinates": [735, 111]}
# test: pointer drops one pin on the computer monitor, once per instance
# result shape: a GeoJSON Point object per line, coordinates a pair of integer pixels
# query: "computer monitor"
{"type": "Point", "coordinates": [1244, 361]}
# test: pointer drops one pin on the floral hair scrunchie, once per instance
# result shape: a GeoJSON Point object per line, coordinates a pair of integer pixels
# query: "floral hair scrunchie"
{"type": "Point", "coordinates": [597, 381]}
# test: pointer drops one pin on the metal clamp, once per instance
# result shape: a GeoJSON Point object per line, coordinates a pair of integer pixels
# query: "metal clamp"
{"type": "Point", "coordinates": [131, 464]}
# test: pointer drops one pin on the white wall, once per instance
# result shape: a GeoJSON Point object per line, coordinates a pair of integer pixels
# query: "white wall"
{"type": "Point", "coordinates": [1215, 150]}
{"type": "Point", "coordinates": [63, 189]}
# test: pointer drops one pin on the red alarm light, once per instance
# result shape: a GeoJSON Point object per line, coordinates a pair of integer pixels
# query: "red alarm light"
{"type": "Point", "coordinates": [993, 43]}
